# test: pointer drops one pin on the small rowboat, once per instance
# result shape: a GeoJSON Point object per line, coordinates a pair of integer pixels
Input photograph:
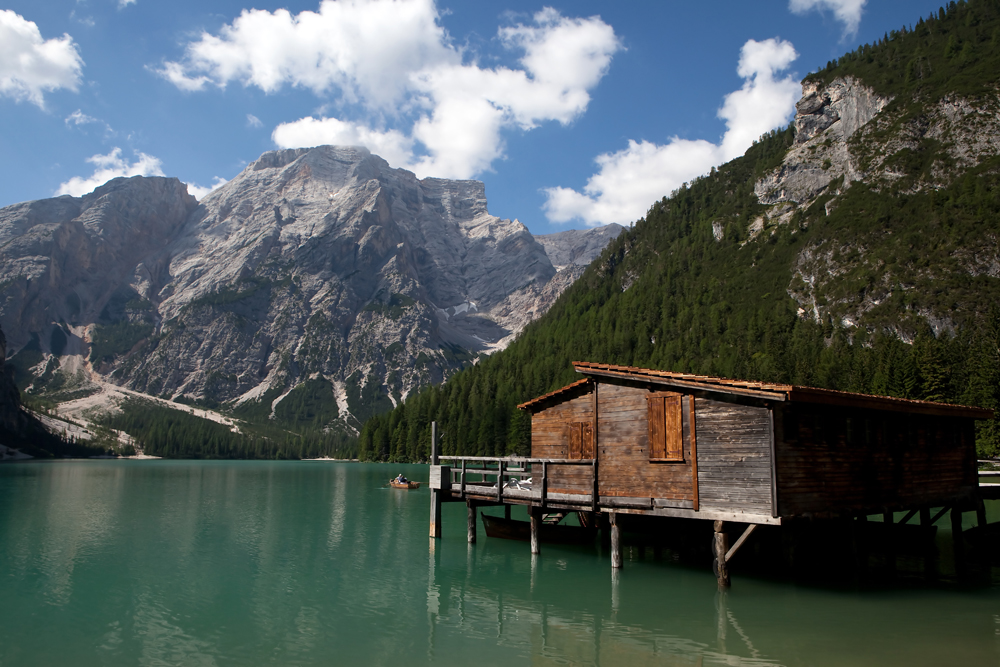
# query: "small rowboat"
{"type": "Point", "coordinates": [404, 485]}
{"type": "Point", "coordinates": [510, 529]}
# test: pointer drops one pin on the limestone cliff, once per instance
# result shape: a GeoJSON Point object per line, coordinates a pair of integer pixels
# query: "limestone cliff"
{"type": "Point", "coordinates": [846, 134]}
{"type": "Point", "coordinates": [311, 263]}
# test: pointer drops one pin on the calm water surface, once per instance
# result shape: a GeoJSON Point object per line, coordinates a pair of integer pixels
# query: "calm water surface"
{"type": "Point", "coordinates": [315, 563]}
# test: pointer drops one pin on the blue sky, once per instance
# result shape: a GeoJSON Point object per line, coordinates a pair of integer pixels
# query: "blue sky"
{"type": "Point", "coordinates": [573, 113]}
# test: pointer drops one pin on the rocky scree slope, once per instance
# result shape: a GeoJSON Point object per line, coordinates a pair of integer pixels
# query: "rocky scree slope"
{"type": "Point", "coordinates": [320, 264]}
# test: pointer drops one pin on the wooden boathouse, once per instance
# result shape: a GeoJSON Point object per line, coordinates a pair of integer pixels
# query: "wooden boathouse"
{"type": "Point", "coordinates": [634, 441]}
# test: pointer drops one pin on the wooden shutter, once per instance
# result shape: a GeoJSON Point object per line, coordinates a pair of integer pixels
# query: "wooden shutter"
{"type": "Point", "coordinates": [575, 440]}
{"type": "Point", "coordinates": [581, 440]}
{"type": "Point", "coordinates": [666, 428]}
{"type": "Point", "coordinates": [587, 451]}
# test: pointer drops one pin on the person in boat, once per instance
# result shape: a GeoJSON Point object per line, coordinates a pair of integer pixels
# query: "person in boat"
{"type": "Point", "coordinates": [400, 479]}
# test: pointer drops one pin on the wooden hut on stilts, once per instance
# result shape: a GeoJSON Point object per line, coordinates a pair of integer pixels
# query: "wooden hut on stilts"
{"type": "Point", "coordinates": [626, 442]}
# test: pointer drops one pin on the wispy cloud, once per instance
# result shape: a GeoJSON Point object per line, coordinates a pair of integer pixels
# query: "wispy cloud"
{"type": "Point", "coordinates": [629, 180]}
{"type": "Point", "coordinates": [111, 166]}
{"type": "Point", "coordinates": [847, 12]}
{"type": "Point", "coordinates": [83, 20]}
{"type": "Point", "coordinates": [80, 118]}
{"type": "Point", "coordinates": [31, 65]}
{"type": "Point", "coordinates": [253, 121]}
{"type": "Point", "coordinates": [393, 60]}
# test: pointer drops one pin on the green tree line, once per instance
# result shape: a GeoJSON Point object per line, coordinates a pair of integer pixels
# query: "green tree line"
{"type": "Point", "coordinates": [668, 294]}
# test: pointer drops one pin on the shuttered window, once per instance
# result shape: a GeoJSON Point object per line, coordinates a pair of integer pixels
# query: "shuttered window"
{"type": "Point", "coordinates": [581, 440]}
{"type": "Point", "coordinates": [666, 428]}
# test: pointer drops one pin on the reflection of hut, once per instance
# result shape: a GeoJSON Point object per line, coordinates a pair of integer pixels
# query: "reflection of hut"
{"type": "Point", "coordinates": [679, 445]}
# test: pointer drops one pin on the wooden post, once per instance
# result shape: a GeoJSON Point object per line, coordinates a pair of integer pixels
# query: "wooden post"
{"type": "Point", "coordinates": [506, 512]}
{"type": "Point", "coordinates": [500, 482]}
{"type": "Point", "coordinates": [980, 513]}
{"type": "Point", "coordinates": [721, 548]}
{"type": "Point", "coordinates": [595, 429]}
{"type": "Point", "coordinates": [861, 544]}
{"type": "Point", "coordinates": [616, 542]}
{"type": "Point", "coordinates": [956, 540]}
{"type": "Point", "coordinates": [536, 524]}
{"type": "Point", "coordinates": [434, 444]}
{"type": "Point", "coordinates": [471, 507]}
{"type": "Point", "coordinates": [888, 520]}
{"type": "Point", "coordinates": [435, 513]}
{"type": "Point", "coordinates": [545, 482]}
{"type": "Point", "coordinates": [930, 562]}
{"type": "Point", "coordinates": [435, 494]}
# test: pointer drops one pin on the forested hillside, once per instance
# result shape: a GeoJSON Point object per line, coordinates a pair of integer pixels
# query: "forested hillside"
{"type": "Point", "coordinates": [886, 285]}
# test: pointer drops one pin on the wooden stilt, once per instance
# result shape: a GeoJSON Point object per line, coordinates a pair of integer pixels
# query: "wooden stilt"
{"type": "Point", "coordinates": [721, 548]}
{"type": "Point", "coordinates": [929, 548]}
{"type": "Point", "coordinates": [506, 512]}
{"type": "Point", "coordinates": [536, 523]}
{"type": "Point", "coordinates": [471, 506]}
{"type": "Point", "coordinates": [616, 542]}
{"type": "Point", "coordinates": [890, 541]}
{"type": "Point", "coordinates": [958, 542]}
{"type": "Point", "coordinates": [861, 544]}
{"type": "Point", "coordinates": [435, 494]}
{"type": "Point", "coordinates": [435, 513]}
{"type": "Point", "coordinates": [980, 512]}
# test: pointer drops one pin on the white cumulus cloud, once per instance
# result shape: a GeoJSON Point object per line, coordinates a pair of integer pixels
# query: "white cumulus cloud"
{"type": "Point", "coordinates": [847, 12]}
{"type": "Point", "coordinates": [31, 65]}
{"type": "Point", "coordinates": [365, 49]}
{"type": "Point", "coordinates": [629, 180]}
{"type": "Point", "coordinates": [446, 113]}
{"type": "Point", "coordinates": [111, 166]}
{"type": "Point", "coordinates": [199, 191]}
{"type": "Point", "coordinates": [394, 146]}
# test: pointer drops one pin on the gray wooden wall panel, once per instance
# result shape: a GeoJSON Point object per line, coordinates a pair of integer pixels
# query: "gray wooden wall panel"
{"type": "Point", "coordinates": [734, 457]}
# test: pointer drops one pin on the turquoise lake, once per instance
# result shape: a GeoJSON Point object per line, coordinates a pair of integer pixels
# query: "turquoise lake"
{"type": "Point", "coordinates": [118, 562]}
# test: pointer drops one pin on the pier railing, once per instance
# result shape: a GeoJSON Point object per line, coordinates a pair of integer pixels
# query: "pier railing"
{"type": "Point", "coordinates": [509, 479]}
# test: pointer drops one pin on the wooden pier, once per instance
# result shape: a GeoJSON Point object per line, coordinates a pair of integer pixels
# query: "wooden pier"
{"type": "Point", "coordinates": [625, 444]}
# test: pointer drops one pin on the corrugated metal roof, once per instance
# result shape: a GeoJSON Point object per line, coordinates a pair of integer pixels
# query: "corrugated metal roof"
{"type": "Point", "coordinates": [767, 391]}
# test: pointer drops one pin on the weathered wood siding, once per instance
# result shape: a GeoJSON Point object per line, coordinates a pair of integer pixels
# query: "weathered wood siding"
{"type": "Point", "coordinates": [550, 439]}
{"type": "Point", "coordinates": [734, 457]}
{"type": "Point", "coordinates": [623, 442]}
{"type": "Point", "coordinates": [836, 460]}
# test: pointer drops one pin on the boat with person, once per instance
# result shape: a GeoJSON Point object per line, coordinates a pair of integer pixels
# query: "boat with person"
{"type": "Point", "coordinates": [405, 484]}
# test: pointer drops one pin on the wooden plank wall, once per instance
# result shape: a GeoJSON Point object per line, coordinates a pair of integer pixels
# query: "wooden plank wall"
{"type": "Point", "coordinates": [734, 457]}
{"type": "Point", "coordinates": [834, 459]}
{"type": "Point", "coordinates": [550, 440]}
{"type": "Point", "coordinates": [623, 437]}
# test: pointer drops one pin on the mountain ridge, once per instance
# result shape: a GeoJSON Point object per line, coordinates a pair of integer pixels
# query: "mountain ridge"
{"type": "Point", "coordinates": [322, 265]}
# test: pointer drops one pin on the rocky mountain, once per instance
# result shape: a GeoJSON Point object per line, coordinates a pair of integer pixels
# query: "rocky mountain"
{"type": "Point", "coordinates": [856, 249]}
{"type": "Point", "coordinates": [22, 434]}
{"type": "Point", "coordinates": [323, 265]}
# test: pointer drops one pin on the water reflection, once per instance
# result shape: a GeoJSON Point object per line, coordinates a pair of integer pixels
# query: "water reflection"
{"type": "Point", "coordinates": [556, 634]}
{"type": "Point", "coordinates": [118, 563]}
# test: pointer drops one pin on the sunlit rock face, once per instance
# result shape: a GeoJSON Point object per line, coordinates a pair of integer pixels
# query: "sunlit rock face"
{"type": "Point", "coordinates": [321, 262]}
